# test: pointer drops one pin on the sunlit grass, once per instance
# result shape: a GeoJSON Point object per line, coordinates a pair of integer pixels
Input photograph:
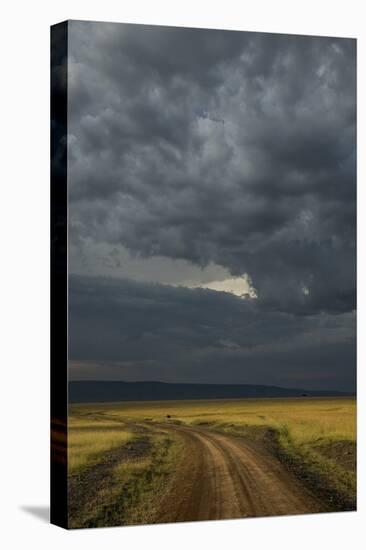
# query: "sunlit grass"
{"type": "Point", "coordinates": [89, 439]}
{"type": "Point", "coordinates": [314, 435]}
{"type": "Point", "coordinates": [307, 419]}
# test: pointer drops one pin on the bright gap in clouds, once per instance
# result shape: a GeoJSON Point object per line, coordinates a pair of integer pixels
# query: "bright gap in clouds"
{"type": "Point", "coordinates": [239, 286]}
{"type": "Point", "coordinates": [103, 259]}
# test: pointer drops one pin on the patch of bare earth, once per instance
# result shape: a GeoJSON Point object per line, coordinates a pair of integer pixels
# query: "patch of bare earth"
{"type": "Point", "coordinates": [343, 452]}
{"type": "Point", "coordinates": [85, 488]}
{"type": "Point", "coordinates": [221, 476]}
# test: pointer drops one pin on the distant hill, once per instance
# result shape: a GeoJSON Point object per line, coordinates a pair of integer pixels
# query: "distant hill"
{"type": "Point", "coordinates": [100, 391]}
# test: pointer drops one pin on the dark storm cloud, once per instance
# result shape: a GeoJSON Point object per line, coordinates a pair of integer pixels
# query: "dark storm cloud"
{"type": "Point", "coordinates": [219, 148]}
{"type": "Point", "coordinates": [182, 334]}
{"type": "Point", "coordinates": [236, 148]}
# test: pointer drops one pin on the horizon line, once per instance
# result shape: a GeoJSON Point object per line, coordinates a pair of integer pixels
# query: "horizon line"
{"type": "Point", "coordinates": [353, 392]}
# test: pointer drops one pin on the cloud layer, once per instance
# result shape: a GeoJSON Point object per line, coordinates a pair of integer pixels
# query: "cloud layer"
{"type": "Point", "coordinates": [138, 331]}
{"type": "Point", "coordinates": [225, 149]}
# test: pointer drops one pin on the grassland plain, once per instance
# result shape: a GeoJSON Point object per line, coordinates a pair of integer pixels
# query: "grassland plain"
{"type": "Point", "coordinates": [123, 458]}
{"type": "Point", "coordinates": [116, 468]}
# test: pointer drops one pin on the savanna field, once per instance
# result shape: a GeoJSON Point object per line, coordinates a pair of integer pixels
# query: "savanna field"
{"type": "Point", "coordinates": [125, 453]}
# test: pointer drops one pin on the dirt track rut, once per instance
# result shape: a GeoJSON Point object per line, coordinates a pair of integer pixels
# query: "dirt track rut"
{"type": "Point", "coordinates": [223, 477]}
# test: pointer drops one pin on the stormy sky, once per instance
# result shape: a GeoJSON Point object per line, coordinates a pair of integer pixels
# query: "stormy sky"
{"type": "Point", "coordinates": [212, 206]}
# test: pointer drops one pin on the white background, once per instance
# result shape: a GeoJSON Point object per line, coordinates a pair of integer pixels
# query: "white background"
{"type": "Point", "coordinates": [24, 275]}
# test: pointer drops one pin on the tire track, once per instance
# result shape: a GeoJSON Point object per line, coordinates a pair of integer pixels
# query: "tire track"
{"type": "Point", "coordinates": [223, 477]}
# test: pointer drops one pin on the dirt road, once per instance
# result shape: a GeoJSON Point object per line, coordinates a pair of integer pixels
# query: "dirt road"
{"type": "Point", "coordinates": [223, 477]}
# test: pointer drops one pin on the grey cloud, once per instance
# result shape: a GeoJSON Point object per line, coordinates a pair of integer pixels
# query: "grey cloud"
{"type": "Point", "coordinates": [214, 147]}
{"type": "Point", "coordinates": [208, 145]}
{"type": "Point", "coordinates": [202, 335]}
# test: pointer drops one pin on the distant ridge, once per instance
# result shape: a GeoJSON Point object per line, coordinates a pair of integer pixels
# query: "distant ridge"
{"type": "Point", "coordinates": [100, 391]}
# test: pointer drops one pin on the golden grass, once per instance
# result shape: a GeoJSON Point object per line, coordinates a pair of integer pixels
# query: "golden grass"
{"type": "Point", "coordinates": [306, 419]}
{"type": "Point", "coordinates": [131, 491]}
{"type": "Point", "coordinates": [89, 439]}
{"type": "Point", "coordinates": [306, 429]}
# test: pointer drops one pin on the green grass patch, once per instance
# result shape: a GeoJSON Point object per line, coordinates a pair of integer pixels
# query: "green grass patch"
{"type": "Point", "coordinates": [324, 473]}
{"type": "Point", "coordinates": [130, 490]}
